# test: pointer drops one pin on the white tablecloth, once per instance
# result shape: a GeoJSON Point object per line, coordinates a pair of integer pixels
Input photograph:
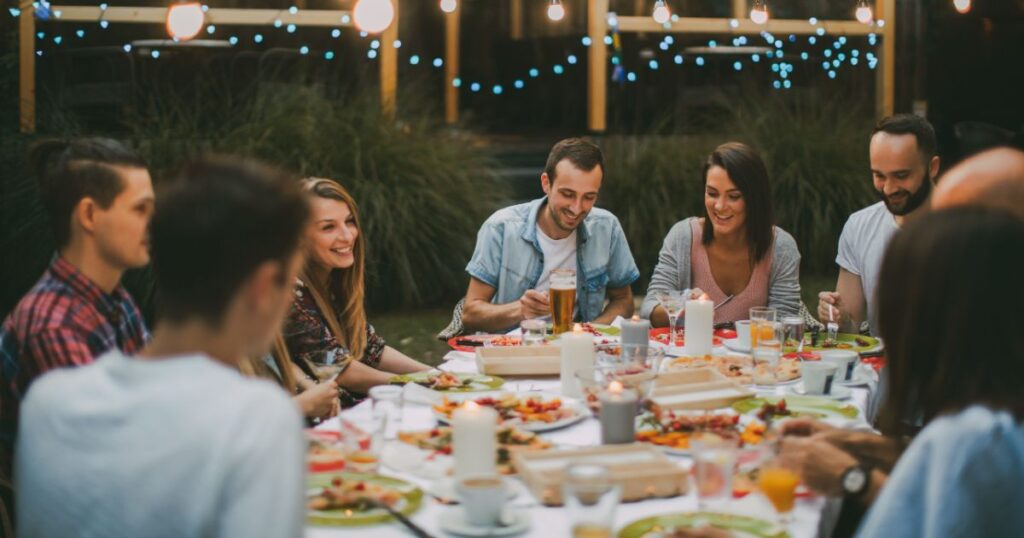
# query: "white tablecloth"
{"type": "Point", "coordinates": [809, 515]}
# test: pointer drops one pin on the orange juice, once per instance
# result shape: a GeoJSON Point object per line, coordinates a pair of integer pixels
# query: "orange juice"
{"type": "Point", "coordinates": [761, 331]}
{"type": "Point", "coordinates": [779, 485]}
{"type": "Point", "coordinates": [585, 530]}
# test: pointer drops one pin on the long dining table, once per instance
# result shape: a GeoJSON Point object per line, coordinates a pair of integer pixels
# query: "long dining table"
{"type": "Point", "coordinates": [811, 516]}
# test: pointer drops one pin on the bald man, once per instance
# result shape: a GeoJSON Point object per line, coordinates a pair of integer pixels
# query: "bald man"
{"type": "Point", "coordinates": [993, 178]}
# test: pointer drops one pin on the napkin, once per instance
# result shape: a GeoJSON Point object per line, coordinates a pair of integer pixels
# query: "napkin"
{"type": "Point", "coordinates": [415, 393]}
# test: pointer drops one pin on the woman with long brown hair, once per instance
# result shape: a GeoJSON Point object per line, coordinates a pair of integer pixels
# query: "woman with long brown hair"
{"type": "Point", "coordinates": [326, 332]}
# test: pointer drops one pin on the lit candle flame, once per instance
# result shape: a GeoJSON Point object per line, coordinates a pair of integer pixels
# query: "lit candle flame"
{"type": "Point", "coordinates": [704, 297]}
{"type": "Point", "coordinates": [577, 329]}
{"type": "Point", "coordinates": [471, 406]}
{"type": "Point", "coordinates": [615, 387]}
{"type": "Point", "coordinates": [634, 318]}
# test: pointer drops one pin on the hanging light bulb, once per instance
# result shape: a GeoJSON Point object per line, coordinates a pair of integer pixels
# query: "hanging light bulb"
{"type": "Point", "coordinates": [661, 12]}
{"type": "Point", "coordinates": [448, 6]}
{"type": "Point", "coordinates": [864, 14]}
{"type": "Point", "coordinates": [555, 10]}
{"type": "Point", "coordinates": [185, 20]}
{"type": "Point", "coordinates": [759, 13]}
{"type": "Point", "coordinates": [373, 16]}
{"type": "Point", "coordinates": [962, 6]}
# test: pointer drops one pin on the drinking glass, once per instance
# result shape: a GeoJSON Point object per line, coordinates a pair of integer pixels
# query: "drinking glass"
{"type": "Point", "coordinates": [766, 363]}
{"type": "Point", "coordinates": [760, 318]}
{"type": "Point", "coordinates": [590, 500]}
{"type": "Point", "coordinates": [793, 334]}
{"type": "Point", "coordinates": [714, 462]}
{"type": "Point", "coordinates": [674, 302]}
{"type": "Point", "coordinates": [563, 299]}
{"type": "Point", "coordinates": [362, 448]}
{"type": "Point", "coordinates": [778, 483]}
{"type": "Point", "coordinates": [387, 410]}
{"type": "Point", "coordinates": [534, 331]}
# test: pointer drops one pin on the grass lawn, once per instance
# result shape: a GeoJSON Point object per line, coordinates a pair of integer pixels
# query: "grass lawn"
{"type": "Point", "coordinates": [412, 332]}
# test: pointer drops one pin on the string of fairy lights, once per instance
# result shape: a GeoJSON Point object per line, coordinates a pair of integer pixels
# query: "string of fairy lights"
{"type": "Point", "coordinates": [186, 20]}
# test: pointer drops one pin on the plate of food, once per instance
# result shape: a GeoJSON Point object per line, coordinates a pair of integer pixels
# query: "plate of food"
{"type": "Point", "coordinates": [438, 443]}
{"type": "Point", "coordinates": [667, 525]}
{"type": "Point", "coordinates": [671, 431]}
{"type": "Point", "coordinates": [352, 499]}
{"type": "Point", "coordinates": [470, 342]}
{"type": "Point", "coordinates": [856, 342]}
{"type": "Point", "coordinates": [660, 335]}
{"type": "Point", "coordinates": [739, 368]}
{"type": "Point", "coordinates": [769, 408]}
{"type": "Point", "coordinates": [450, 382]}
{"type": "Point", "coordinates": [323, 453]}
{"type": "Point", "coordinates": [536, 413]}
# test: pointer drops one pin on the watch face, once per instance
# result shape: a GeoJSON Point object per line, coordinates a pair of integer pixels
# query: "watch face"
{"type": "Point", "coordinates": [854, 480]}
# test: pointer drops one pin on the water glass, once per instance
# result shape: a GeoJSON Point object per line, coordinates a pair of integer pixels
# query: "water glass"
{"type": "Point", "coordinates": [714, 463]}
{"type": "Point", "coordinates": [766, 364]}
{"type": "Point", "coordinates": [362, 448]}
{"type": "Point", "coordinates": [534, 331]}
{"type": "Point", "coordinates": [590, 500]}
{"type": "Point", "coordinates": [793, 334]}
{"type": "Point", "coordinates": [387, 411]}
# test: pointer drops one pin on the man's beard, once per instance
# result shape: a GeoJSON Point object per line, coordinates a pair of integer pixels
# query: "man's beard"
{"type": "Point", "coordinates": [913, 201]}
{"type": "Point", "coordinates": [557, 217]}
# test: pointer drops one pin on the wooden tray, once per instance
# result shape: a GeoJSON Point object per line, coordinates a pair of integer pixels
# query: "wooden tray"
{"type": "Point", "coordinates": [642, 470]}
{"type": "Point", "coordinates": [519, 360]}
{"type": "Point", "coordinates": [706, 395]}
{"type": "Point", "coordinates": [689, 376]}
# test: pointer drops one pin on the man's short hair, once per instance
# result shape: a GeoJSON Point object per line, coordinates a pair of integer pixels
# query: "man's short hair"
{"type": "Point", "coordinates": [582, 154]}
{"type": "Point", "coordinates": [902, 124]}
{"type": "Point", "coordinates": [214, 224]}
{"type": "Point", "coordinates": [69, 170]}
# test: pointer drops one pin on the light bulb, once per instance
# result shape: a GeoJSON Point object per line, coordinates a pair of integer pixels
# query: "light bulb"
{"type": "Point", "coordinates": [864, 14]}
{"type": "Point", "coordinates": [373, 16]}
{"type": "Point", "coordinates": [661, 12]}
{"type": "Point", "coordinates": [184, 21]}
{"type": "Point", "coordinates": [555, 11]}
{"type": "Point", "coordinates": [759, 13]}
{"type": "Point", "coordinates": [962, 6]}
{"type": "Point", "coordinates": [448, 6]}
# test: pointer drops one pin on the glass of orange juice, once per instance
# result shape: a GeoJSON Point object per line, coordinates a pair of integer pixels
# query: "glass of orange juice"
{"type": "Point", "coordinates": [762, 325]}
{"type": "Point", "coordinates": [778, 484]}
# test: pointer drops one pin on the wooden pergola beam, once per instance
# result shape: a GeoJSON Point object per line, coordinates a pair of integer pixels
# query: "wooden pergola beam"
{"type": "Point", "coordinates": [27, 67]}
{"type": "Point", "coordinates": [707, 25]}
{"type": "Point", "coordinates": [597, 61]}
{"type": "Point", "coordinates": [221, 16]}
{"type": "Point", "coordinates": [885, 76]}
{"type": "Point", "coordinates": [389, 67]}
{"type": "Point", "coordinates": [451, 64]}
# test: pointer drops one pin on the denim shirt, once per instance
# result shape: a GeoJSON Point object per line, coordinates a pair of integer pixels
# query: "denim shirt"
{"type": "Point", "coordinates": [508, 256]}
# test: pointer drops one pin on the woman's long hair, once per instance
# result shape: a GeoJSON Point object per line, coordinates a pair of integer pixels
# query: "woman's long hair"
{"type": "Point", "coordinates": [256, 367]}
{"type": "Point", "coordinates": [341, 303]}
{"type": "Point", "coordinates": [949, 298]}
{"type": "Point", "coordinates": [748, 172]}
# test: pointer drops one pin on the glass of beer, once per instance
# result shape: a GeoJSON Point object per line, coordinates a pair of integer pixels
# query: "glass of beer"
{"type": "Point", "coordinates": [563, 299]}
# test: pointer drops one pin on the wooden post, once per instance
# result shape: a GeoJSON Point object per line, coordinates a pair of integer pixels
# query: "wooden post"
{"type": "Point", "coordinates": [597, 70]}
{"type": "Point", "coordinates": [885, 74]}
{"type": "Point", "coordinates": [389, 66]}
{"type": "Point", "coordinates": [27, 66]}
{"type": "Point", "coordinates": [739, 9]}
{"type": "Point", "coordinates": [451, 65]}
{"type": "Point", "coordinates": [515, 19]}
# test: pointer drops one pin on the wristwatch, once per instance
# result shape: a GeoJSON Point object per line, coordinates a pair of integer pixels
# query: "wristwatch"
{"type": "Point", "coordinates": [855, 480]}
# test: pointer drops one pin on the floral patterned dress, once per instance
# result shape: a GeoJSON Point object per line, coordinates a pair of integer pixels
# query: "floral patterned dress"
{"type": "Point", "coordinates": [312, 345]}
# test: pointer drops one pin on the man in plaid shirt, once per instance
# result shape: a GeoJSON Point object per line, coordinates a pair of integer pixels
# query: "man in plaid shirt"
{"type": "Point", "coordinates": [99, 197]}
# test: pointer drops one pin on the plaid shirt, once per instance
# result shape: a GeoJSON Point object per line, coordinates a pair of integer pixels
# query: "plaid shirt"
{"type": "Point", "coordinates": [64, 320]}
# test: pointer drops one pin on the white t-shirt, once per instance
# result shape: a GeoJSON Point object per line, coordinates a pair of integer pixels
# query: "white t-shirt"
{"type": "Point", "coordinates": [558, 254]}
{"type": "Point", "coordinates": [176, 447]}
{"type": "Point", "coordinates": [861, 248]}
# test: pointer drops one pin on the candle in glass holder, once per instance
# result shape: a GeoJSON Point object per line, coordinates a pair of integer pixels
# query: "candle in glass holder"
{"type": "Point", "coordinates": [474, 440]}
{"type": "Point", "coordinates": [635, 334]}
{"type": "Point", "coordinates": [699, 323]}
{"type": "Point", "coordinates": [618, 415]}
{"type": "Point", "coordinates": [577, 354]}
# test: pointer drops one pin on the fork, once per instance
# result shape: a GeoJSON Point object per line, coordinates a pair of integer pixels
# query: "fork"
{"type": "Point", "coordinates": [416, 529]}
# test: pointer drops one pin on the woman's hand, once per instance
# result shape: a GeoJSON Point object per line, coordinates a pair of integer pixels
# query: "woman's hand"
{"type": "Point", "coordinates": [320, 400]}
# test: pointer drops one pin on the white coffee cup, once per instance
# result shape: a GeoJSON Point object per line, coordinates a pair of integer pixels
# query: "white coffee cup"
{"type": "Point", "coordinates": [743, 333]}
{"type": "Point", "coordinates": [818, 377]}
{"type": "Point", "coordinates": [482, 498]}
{"type": "Point", "coordinates": [845, 361]}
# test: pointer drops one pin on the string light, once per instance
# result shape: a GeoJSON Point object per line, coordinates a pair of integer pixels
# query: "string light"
{"type": "Point", "coordinates": [373, 16]}
{"type": "Point", "coordinates": [555, 10]}
{"type": "Point", "coordinates": [962, 6]}
{"type": "Point", "coordinates": [759, 13]}
{"type": "Point", "coordinates": [661, 12]}
{"type": "Point", "coordinates": [864, 14]}
{"type": "Point", "coordinates": [449, 6]}
{"type": "Point", "coordinates": [185, 20]}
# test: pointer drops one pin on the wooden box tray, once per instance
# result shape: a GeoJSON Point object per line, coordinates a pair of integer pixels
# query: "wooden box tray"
{"type": "Point", "coordinates": [714, 393]}
{"type": "Point", "coordinates": [519, 360]}
{"type": "Point", "coordinates": [689, 376]}
{"type": "Point", "coordinates": [642, 470]}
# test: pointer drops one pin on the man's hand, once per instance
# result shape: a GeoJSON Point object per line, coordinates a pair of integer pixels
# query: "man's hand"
{"type": "Point", "coordinates": [534, 304]}
{"type": "Point", "coordinates": [819, 463]}
{"type": "Point", "coordinates": [804, 427]}
{"type": "Point", "coordinates": [825, 300]}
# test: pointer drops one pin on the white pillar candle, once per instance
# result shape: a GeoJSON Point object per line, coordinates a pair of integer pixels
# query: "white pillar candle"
{"type": "Point", "coordinates": [699, 323]}
{"type": "Point", "coordinates": [635, 332]}
{"type": "Point", "coordinates": [618, 415]}
{"type": "Point", "coordinates": [577, 353]}
{"type": "Point", "coordinates": [474, 440]}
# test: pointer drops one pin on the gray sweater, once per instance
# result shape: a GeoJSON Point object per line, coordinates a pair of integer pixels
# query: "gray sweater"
{"type": "Point", "coordinates": [673, 271]}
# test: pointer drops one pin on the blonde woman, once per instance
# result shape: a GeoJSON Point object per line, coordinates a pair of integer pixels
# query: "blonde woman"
{"type": "Point", "coordinates": [326, 327]}
{"type": "Point", "coordinates": [316, 400]}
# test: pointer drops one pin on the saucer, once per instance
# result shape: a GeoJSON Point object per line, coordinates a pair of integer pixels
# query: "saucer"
{"type": "Point", "coordinates": [445, 489]}
{"type": "Point", "coordinates": [733, 344]}
{"type": "Point", "coordinates": [453, 520]}
{"type": "Point", "coordinates": [838, 392]}
{"type": "Point", "coordinates": [860, 377]}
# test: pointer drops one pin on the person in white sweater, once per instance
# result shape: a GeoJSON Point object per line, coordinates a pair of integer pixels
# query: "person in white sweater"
{"type": "Point", "coordinates": [175, 441]}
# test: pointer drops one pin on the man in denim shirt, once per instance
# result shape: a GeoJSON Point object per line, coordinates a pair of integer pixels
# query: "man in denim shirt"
{"type": "Point", "coordinates": [519, 246]}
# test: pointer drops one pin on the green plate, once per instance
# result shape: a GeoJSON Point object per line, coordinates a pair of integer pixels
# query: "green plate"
{"type": "Point", "coordinates": [477, 382]}
{"type": "Point", "coordinates": [844, 338]}
{"type": "Point", "coordinates": [412, 498]}
{"type": "Point", "coordinates": [813, 406]}
{"type": "Point", "coordinates": [739, 525]}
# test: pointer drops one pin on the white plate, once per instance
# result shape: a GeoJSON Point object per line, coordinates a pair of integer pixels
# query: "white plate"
{"type": "Point", "coordinates": [838, 392]}
{"type": "Point", "coordinates": [453, 520]}
{"type": "Point", "coordinates": [860, 377]}
{"type": "Point", "coordinates": [579, 407]}
{"type": "Point", "coordinates": [733, 344]}
{"type": "Point", "coordinates": [445, 488]}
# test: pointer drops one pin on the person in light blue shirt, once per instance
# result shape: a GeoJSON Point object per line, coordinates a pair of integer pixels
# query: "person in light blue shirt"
{"type": "Point", "coordinates": [518, 247]}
